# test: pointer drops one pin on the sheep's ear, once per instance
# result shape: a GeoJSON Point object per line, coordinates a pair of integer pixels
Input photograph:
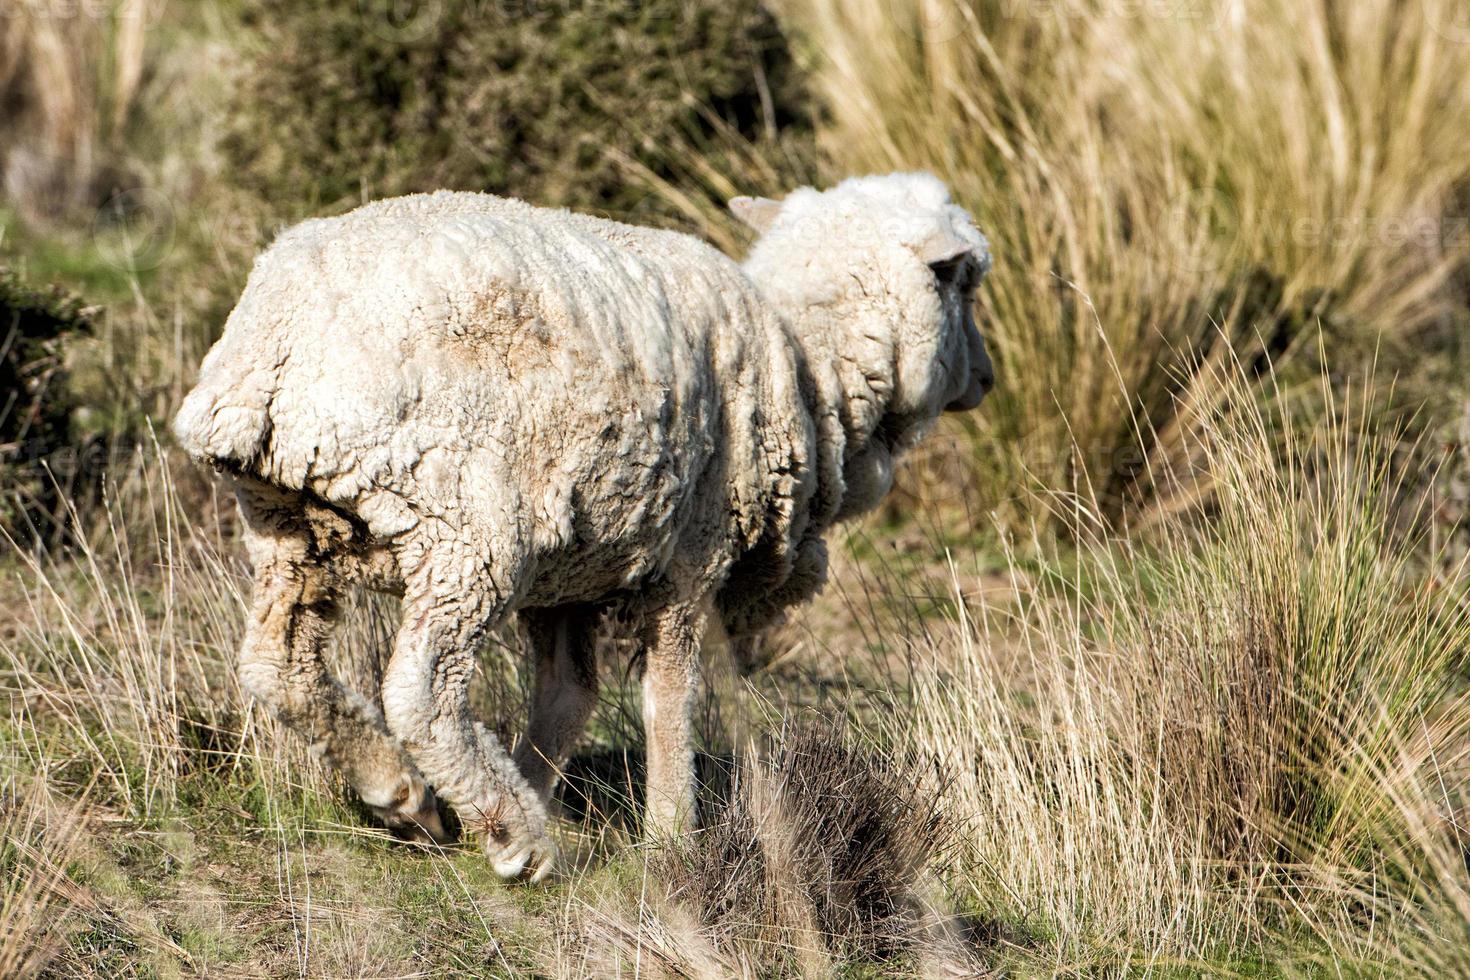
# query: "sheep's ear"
{"type": "Point", "coordinates": [942, 246]}
{"type": "Point", "coordinates": [757, 212]}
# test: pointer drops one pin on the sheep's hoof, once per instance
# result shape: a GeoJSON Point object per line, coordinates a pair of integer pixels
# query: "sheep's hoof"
{"type": "Point", "coordinates": [527, 861]}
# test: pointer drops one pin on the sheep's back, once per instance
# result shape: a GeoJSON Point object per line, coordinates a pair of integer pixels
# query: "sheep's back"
{"type": "Point", "coordinates": [565, 376]}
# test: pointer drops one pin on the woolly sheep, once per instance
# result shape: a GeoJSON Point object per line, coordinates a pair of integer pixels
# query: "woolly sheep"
{"type": "Point", "coordinates": [495, 409]}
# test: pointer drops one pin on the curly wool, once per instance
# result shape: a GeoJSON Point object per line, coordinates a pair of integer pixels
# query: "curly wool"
{"type": "Point", "coordinates": [572, 389]}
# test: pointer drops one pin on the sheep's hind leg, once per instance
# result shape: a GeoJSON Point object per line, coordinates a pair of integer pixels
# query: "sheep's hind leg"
{"type": "Point", "coordinates": [670, 675]}
{"type": "Point", "coordinates": [563, 643]}
{"type": "Point", "coordinates": [426, 700]}
{"type": "Point", "coordinates": [292, 613]}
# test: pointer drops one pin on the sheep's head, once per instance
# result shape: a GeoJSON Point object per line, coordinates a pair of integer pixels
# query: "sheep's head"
{"type": "Point", "coordinates": [876, 278]}
{"type": "Point", "coordinates": [879, 274]}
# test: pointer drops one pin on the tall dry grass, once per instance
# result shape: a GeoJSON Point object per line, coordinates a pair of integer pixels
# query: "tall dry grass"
{"type": "Point", "coordinates": [1221, 732]}
{"type": "Point", "coordinates": [1238, 736]}
{"type": "Point", "coordinates": [121, 647]}
{"type": "Point", "coordinates": [1225, 732]}
{"type": "Point", "coordinates": [38, 838]}
{"type": "Point", "coordinates": [70, 75]}
{"type": "Point", "coordinates": [1160, 180]}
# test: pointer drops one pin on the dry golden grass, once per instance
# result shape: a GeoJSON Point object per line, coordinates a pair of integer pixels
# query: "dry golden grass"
{"type": "Point", "coordinates": [1238, 736]}
{"type": "Point", "coordinates": [1159, 179]}
{"type": "Point", "coordinates": [1204, 736]}
{"type": "Point", "coordinates": [39, 840]}
{"type": "Point", "coordinates": [70, 74]}
{"type": "Point", "coordinates": [1166, 650]}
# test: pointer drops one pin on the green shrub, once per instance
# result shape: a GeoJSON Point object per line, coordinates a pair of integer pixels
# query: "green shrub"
{"type": "Point", "coordinates": [35, 402]}
{"type": "Point", "coordinates": [556, 103]}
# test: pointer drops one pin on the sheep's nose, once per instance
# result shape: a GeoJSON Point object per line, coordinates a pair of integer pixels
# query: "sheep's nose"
{"type": "Point", "coordinates": [980, 384]}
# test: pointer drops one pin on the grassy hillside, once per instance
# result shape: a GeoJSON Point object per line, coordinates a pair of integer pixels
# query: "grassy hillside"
{"type": "Point", "coordinates": [1154, 665]}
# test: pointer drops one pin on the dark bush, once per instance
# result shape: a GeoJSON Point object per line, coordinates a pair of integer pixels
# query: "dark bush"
{"type": "Point", "coordinates": [819, 836]}
{"type": "Point", "coordinates": [552, 102]}
{"type": "Point", "coordinates": [35, 403]}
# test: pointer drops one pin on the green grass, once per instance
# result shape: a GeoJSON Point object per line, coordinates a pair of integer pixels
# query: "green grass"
{"type": "Point", "coordinates": [78, 261]}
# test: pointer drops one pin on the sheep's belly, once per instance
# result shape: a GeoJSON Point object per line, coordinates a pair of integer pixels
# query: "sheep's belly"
{"type": "Point", "coordinates": [577, 575]}
{"type": "Point", "coordinates": [612, 549]}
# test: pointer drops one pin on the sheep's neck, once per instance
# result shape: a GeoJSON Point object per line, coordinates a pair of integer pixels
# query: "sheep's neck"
{"type": "Point", "coordinates": [853, 466]}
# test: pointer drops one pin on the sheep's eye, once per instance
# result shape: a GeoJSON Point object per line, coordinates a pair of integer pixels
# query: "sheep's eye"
{"type": "Point", "coordinates": [949, 272]}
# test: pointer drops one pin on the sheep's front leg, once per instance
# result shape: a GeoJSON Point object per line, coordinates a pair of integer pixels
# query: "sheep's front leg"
{"type": "Point", "coordinates": [426, 700]}
{"type": "Point", "coordinates": [670, 676]}
{"type": "Point", "coordinates": [563, 642]}
{"type": "Point", "coordinates": [292, 613]}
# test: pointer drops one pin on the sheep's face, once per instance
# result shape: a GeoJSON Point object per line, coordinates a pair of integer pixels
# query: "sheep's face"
{"type": "Point", "coordinates": [881, 272]}
{"type": "Point", "coordinates": [962, 364]}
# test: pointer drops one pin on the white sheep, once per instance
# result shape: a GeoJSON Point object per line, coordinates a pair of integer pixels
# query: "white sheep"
{"type": "Point", "coordinates": [494, 408]}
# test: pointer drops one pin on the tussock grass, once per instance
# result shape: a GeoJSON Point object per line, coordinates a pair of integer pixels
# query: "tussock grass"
{"type": "Point", "coordinates": [822, 848]}
{"type": "Point", "coordinates": [819, 860]}
{"type": "Point", "coordinates": [1208, 736]}
{"type": "Point", "coordinates": [1160, 181]}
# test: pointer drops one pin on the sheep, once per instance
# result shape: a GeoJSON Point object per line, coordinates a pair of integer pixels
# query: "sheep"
{"type": "Point", "coordinates": [495, 410]}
